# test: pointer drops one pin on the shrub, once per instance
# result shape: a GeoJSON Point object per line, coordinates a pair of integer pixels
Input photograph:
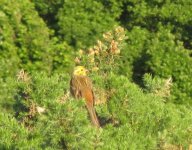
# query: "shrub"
{"type": "Point", "coordinates": [168, 58]}
{"type": "Point", "coordinates": [46, 117]}
{"type": "Point", "coordinates": [42, 115]}
{"type": "Point", "coordinates": [133, 59]}
{"type": "Point", "coordinates": [14, 135]}
{"type": "Point", "coordinates": [149, 14]}
{"type": "Point", "coordinates": [27, 42]}
{"type": "Point", "coordinates": [77, 21]}
{"type": "Point", "coordinates": [9, 59]}
{"type": "Point", "coordinates": [29, 34]}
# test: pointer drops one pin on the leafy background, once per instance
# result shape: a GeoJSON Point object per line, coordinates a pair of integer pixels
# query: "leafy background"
{"type": "Point", "coordinates": [139, 57]}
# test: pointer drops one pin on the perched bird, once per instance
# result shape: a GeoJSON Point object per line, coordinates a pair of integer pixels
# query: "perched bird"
{"type": "Point", "coordinates": [81, 87]}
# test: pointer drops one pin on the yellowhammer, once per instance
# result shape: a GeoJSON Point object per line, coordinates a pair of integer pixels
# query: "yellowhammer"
{"type": "Point", "coordinates": [81, 87]}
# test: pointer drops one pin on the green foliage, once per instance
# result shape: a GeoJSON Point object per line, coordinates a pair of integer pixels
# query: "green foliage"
{"type": "Point", "coordinates": [8, 90]}
{"type": "Point", "coordinates": [41, 36]}
{"type": "Point", "coordinates": [8, 50]}
{"type": "Point", "coordinates": [48, 10]}
{"type": "Point", "coordinates": [149, 14]}
{"type": "Point", "coordinates": [62, 56]}
{"type": "Point", "coordinates": [86, 20]}
{"type": "Point", "coordinates": [13, 135]}
{"type": "Point", "coordinates": [168, 58]}
{"type": "Point", "coordinates": [158, 86]}
{"type": "Point", "coordinates": [103, 57]}
{"type": "Point", "coordinates": [75, 21]}
{"type": "Point", "coordinates": [139, 120]}
{"type": "Point", "coordinates": [62, 122]}
{"type": "Point", "coordinates": [29, 34]}
{"type": "Point", "coordinates": [26, 42]}
{"type": "Point", "coordinates": [133, 53]}
{"type": "Point", "coordinates": [47, 7]}
{"type": "Point", "coordinates": [144, 117]}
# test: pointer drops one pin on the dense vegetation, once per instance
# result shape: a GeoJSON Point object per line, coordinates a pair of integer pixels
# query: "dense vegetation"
{"type": "Point", "coordinates": [139, 57]}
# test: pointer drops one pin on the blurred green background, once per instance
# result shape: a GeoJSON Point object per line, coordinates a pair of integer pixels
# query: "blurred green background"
{"type": "Point", "coordinates": [148, 87]}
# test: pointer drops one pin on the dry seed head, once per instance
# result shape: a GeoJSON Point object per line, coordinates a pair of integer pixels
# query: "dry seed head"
{"type": "Point", "coordinates": [40, 110]}
{"type": "Point", "coordinates": [80, 52]}
{"type": "Point", "coordinates": [166, 89]}
{"type": "Point", "coordinates": [92, 60]}
{"type": "Point", "coordinates": [64, 98]}
{"type": "Point", "coordinates": [122, 37]}
{"type": "Point", "coordinates": [101, 96]}
{"type": "Point", "coordinates": [96, 52]}
{"type": "Point", "coordinates": [99, 43]}
{"type": "Point", "coordinates": [107, 36]}
{"type": "Point", "coordinates": [32, 110]}
{"type": "Point", "coordinates": [77, 60]}
{"type": "Point", "coordinates": [95, 69]}
{"type": "Point", "coordinates": [167, 86]}
{"type": "Point", "coordinates": [23, 76]}
{"type": "Point", "coordinates": [117, 51]}
{"type": "Point", "coordinates": [119, 29]}
{"type": "Point", "coordinates": [168, 82]}
{"type": "Point", "coordinates": [96, 48]}
{"type": "Point", "coordinates": [113, 46]}
{"type": "Point", "coordinates": [91, 52]}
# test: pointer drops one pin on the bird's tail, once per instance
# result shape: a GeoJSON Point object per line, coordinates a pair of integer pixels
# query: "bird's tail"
{"type": "Point", "coordinates": [93, 116]}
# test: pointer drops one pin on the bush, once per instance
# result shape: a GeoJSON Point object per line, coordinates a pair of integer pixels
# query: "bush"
{"type": "Point", "coordinates": [80, 24]}
{"type": "Point", "coordinates": [13, 135]}
{"type": "Point", "coordinates": [9, 59]}
{"type": "Point", "coordinates": [37, 111]}
{"type": "Point", "coordinates": [46, 117]}
{"type": "Point", "coordinates": [133, 57]}
{"type": "Point", "coordinates": [29, 35]}
{"type": "Point", "coordinates": [86, 20]}
{"type": "Point", "coordinates": [149, 14]}
{"type": "Point", "coordinates": [27, 42]}
{"type": "Point", "coordinates": [168, 58]}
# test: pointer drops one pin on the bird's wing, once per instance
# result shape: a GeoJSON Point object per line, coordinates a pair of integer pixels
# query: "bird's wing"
{"type": "Point", "coordinates": [75, 88]}
{"type": "Point", "coordinates": [89, 86]}
{"type": "Point", "coordinates": [89, 98]}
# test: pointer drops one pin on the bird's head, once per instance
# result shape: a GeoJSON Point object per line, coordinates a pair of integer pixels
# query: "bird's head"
{"type": "Point", "coordinates": [80, 71]}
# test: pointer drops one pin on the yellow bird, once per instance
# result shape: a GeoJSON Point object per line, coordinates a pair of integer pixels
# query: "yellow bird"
{"type": "Point", "coordinates": [81, 87]}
